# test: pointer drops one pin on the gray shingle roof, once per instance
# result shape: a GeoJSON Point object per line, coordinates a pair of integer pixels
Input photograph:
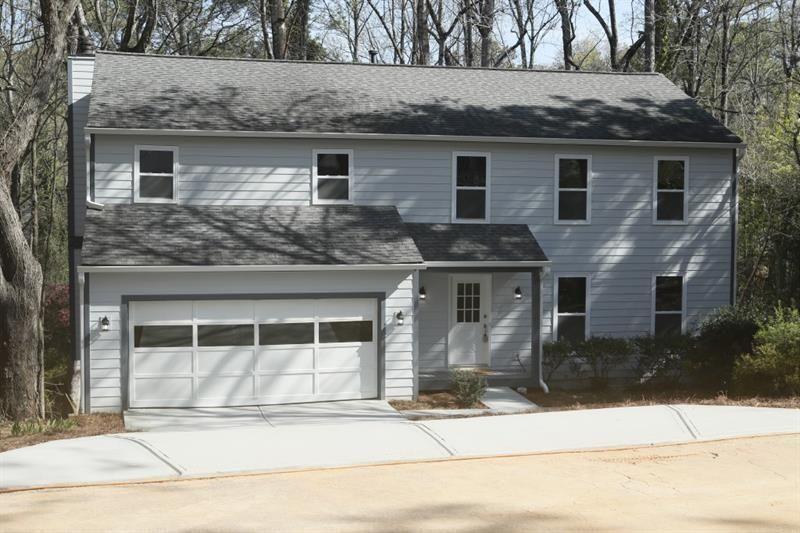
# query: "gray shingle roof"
{"type": "Point", "coordinates": [174, 235]}
{"type": "Point", "coordinates": [172, 92]}
{"type": "Point", "coordinates": [476, 242]}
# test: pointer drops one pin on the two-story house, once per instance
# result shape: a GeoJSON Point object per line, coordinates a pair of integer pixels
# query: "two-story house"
{"type": "Point", "coordinates": [255, 232]}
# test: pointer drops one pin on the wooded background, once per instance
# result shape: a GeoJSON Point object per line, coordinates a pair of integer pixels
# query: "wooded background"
{"type": "Point", "coordinates": [739, 58]}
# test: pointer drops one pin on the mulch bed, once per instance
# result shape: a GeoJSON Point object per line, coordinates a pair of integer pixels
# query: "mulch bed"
{"type": "Point", "coordinates": [563, 400]}
{"type": "Point", "coordinates": [85, 426]}
{"type": "Point", "coordinates": [432, 400]}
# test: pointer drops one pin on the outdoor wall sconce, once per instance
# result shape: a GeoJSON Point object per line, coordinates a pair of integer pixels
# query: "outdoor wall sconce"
{"type": "Point", "coordinates": [518, 294]}
{"type": "Point", "coordinates": [422, 294]}
{"type": "Point", "coordinates": [400, 318]}
{"type": "Point", "coordinates": [104, 323]}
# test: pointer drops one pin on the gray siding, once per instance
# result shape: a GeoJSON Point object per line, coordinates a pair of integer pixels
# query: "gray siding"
{"type": "Point", "coordinates": [107, 290]}
{"type": "Point", "coordinates": [81, 70]}
{"type": "Point", "coordinates": [621, 248]}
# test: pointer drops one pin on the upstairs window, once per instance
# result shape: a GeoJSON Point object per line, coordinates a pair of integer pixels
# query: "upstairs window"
{"type": "Point", "coordinates": [333, 176]}
{"type": "Point", "coordinates": [668, 305]}
{"type": "Point", "coordinates": [572, 308]}
{"type": "Point", "coordinates": [573, 199]}
{"type": "Point", "coordinates": [155, 172]}
{"type": "Point", "coordinates": [470, 187]}
{"type": "Point", "coordinates": [669, 194]}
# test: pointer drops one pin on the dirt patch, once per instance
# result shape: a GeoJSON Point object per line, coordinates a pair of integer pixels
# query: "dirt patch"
{"type": "Point", "coordinates": [560, 400]}
{"type": "Point", "coordinates": [85, 426]}
{"type": "Point", "coordinates": [433, 400]}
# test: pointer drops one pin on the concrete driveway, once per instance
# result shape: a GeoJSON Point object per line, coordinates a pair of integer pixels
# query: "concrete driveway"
{"type": "Point", "coordinates": [323, 442]}
{"type": "Point", "coordinates": [741, 485]}
{"type": "Point", "coordinates": [255, 416]}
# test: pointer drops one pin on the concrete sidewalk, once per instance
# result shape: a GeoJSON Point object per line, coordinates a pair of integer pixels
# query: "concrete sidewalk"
{"type": "Point", "coordinates": [157, 454]}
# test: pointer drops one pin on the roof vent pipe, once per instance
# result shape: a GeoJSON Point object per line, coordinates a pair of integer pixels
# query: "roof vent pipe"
{"type": "Point", "coordinates": [373, 56]}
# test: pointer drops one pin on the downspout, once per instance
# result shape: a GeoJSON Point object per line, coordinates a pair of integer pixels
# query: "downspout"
{"type": "Point", "coordinates": [734, 215]}
{"type": "Point", "coordinates": [542, 384]}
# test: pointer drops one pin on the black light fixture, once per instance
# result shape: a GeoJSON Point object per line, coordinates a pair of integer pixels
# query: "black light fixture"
{"type": "Point", "coordinates": [422, 294]}
{"type": "Point", "coordinates": [104, 323]}
{"type": "Point", "coordinates": [400, 318]}
{"type": "Point", "coordinates": [518, 294]}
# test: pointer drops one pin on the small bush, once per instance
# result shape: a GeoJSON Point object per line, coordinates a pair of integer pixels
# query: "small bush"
{"type": "Point", "coordinates": [468, 387]}
{"type": "Point", "coordinates": [555, 354]}
{"type": "Point", "coordinates": [601, 355]}
{"type": "Point", "coordinates": [661, 359]}
{"type": "Point", "coordinates": [774, 366]}
{"type": "Point", "coordinates": [35, 427]}
{"type": "Point", "coordinates": [721, 338]}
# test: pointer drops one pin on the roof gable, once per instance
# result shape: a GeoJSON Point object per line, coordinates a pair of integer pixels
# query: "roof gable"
{"type": "Point", "coordinates": [186, 93]}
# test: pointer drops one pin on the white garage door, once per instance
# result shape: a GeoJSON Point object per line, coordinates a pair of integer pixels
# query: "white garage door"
{"type": "Point", "coordinates": [241, 352]}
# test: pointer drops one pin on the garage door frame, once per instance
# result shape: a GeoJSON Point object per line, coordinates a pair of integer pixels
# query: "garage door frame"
{"type": "Point", "coordinates": [127, 299]}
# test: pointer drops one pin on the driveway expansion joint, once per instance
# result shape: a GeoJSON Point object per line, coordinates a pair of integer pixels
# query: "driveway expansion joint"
{"type": "Point", "coordinates": [685, 421]}
{"type": "Point", "coordinates": [437, 438]}
{"type": "Point", "coordinates": [158, 454]}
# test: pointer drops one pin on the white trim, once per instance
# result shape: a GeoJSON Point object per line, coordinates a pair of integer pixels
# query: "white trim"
{"type": "Point", "coordinates": [587, 303]}
{"type": "Point", "coordinates": [487, 188]}
{"type": "Point", "coordinates": [350, 171]}
{"type": "Point", "coordinates": [414, 137]}
{"type": "Point", "coordinates": [175, 166]}
{"type": "Point", "coordinates": [684, 282]}
{"type": "Point", "coordinates": [557, 190]}
{"type": "Point", "coordinates": [656, 190]}
{"type": "Point", "coordinates": [247, 268]}
{"type": "Point", "coordinates": [484, 264]}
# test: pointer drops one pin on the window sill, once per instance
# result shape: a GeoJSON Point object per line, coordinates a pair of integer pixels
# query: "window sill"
{"type": "Point", "coordinates": [155, 201]}
{"type": "Point", "coordinates": [469, 221]}
{"type": "Point", "coordinates": [670, 223]}
{"type": "Point", "coordinates": [572, 222]}
{"type": "Point", "coordinates": [332, 202]}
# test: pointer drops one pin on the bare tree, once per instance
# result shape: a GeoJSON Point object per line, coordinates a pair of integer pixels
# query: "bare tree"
{"type": "Point", "coordinates": [609, 27]}
{"type": "Point", "coordinates": [566, 12]}
{"type": "Point", "coordinates": [21, 336]}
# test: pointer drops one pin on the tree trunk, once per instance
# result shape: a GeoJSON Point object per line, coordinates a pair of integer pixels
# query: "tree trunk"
{"type": "Point", "coordinates": [422, 47]}
{"type": "Point", "coordinates": [469, 53]}
{"type": "Point", "coordinates": [567, 33]}
{"type": "Point", "coordinates": [485, 30]}
{"type": "Point", "coordinates": [20, 336]}
{"type": "Point", "coordinates": [20, 273]}
{"type": "Point", "coordinates": [649, 36]}
{"type": "Point", "coordinates": [277, 11]}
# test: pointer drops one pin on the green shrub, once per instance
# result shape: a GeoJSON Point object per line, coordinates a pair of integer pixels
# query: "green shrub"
{"type": "Point", "coordinates": [468, 387]}
{"type": "Point", "coordinates": [601, 355]}
{"type": "Point", "coordinates": [721, 338]}
{"type": "Point", "coordinates": [660, 359]}
{"type": "Point", "coordinates": [555, 354]}
{"type": "Point", "coordinates": [34, 426]}
{"type": "Point", "coordinates": [774, 365]}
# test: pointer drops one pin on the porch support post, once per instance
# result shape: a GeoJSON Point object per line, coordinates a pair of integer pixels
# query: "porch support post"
{"type": "Point", "coordinates": [536, 328]}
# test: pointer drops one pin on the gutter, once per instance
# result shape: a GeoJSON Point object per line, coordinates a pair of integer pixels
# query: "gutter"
{"type": "Point", "coordinates": [412, 137]}
{"type": "Point", "coordinates": [244, 268]}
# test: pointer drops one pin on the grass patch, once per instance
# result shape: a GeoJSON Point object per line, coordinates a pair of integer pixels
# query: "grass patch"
{"type": "Point", "coordinates": [431, 400]}
{"type": "Point", "coordinates": [27, 433]}
{"type": "Point", "coordinates": [565, 400]}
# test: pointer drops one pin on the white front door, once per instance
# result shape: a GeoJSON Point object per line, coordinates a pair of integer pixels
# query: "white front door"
{"type": "Point", "coordinates": [470, 304]}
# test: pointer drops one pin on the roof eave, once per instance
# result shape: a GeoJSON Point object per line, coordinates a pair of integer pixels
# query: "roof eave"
{"type": "Point", "coordinates": [246, 268]}
{"type": "Point", "coordinates": [413, 137]}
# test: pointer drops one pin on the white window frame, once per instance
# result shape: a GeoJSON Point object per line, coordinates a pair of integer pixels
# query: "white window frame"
{"type": "Point", "coordinates": [656, 190]}
{"type": "Point", "coordinates": [684, 279]}
{"type": "Point", "coordinates": [557, 189]}
{"type": "Point", "coordinates": [136, 173]}
{"type": "Point", "coordinates": [487, 188]}
{"type": "Point", "coordinates": [315, 199]}
{"type": "Point", "coordinates": [588, 296]}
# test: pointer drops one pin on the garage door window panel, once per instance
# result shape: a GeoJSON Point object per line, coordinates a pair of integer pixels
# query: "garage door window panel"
{"type": "Point", "coordinates": [225, 335]}
{"type": "Point", "coordinates": [345, 331]}
{"type": "Point", "coordinates": [286, 333]}
{"type": "Point", "coordinates": [162, 336]}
